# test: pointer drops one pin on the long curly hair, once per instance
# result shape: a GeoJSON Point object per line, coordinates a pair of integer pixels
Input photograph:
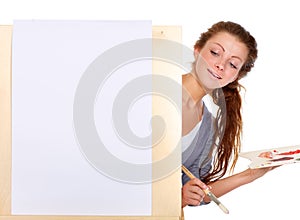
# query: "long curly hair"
{"type": "Point", "coordinates": [228, 123]}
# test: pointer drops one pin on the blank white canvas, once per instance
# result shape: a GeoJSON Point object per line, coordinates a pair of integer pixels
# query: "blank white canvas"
{"type": "Point", "coordinates": [50, 175]}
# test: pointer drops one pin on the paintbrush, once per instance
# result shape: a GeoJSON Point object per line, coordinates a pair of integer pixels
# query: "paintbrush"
{"type": "Point", "coordinates": [206, 191]}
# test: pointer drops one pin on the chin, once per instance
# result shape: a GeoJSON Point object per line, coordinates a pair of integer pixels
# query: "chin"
{"type": "Point", "coordinates": [210, 87]}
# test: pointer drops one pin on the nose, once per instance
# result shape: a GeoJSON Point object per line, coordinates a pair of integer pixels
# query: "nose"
{"type": "Point", "coordinates": [219, 66]}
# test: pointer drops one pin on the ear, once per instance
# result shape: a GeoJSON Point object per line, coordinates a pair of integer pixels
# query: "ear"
{"type": "Point", "coordinates": [196, 52]}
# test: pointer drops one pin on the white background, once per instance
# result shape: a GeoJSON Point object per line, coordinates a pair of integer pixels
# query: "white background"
{"type": "Point", "coordinates": [271, 107]}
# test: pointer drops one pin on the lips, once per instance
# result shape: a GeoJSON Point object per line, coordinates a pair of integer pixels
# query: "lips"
{"type": "Point", "coordinates": [215, 75]}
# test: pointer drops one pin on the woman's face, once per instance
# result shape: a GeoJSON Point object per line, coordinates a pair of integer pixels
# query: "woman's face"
{"type": "Point", "coordinates": [219, 61]}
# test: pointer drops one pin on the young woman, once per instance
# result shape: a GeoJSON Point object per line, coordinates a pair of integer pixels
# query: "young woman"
{"type": "Point", "coordinates": [223, 55]}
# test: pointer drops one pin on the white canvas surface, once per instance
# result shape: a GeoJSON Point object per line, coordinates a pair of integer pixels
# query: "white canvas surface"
{"type": "Point", "coordinates": [50, 175]}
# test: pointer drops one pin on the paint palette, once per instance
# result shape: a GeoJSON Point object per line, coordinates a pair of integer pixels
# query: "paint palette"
{"type": "Point", "coordinates": [273, 156]}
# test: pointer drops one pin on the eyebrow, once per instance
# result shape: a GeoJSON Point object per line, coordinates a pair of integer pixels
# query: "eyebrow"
{"type": "Point", "coordinates": [224, 51]}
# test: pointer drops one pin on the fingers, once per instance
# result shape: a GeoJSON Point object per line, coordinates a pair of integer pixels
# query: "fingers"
{"type": "Point", "coordinates": [194, 201]}
{"type": "Point", "coordinates": [192, 192]}
{"type": "Point", "coordinates": [199, 183]}
{"type": "Point", "coordinates": [195, 190]}
{"type": "Point", "coordinates": [192, 198]}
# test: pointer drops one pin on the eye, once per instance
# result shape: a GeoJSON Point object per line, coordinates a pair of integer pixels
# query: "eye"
{"type": "Point", "coordinates": [214, 53]}
{"type": "Point", "coordinates": [233, 66]}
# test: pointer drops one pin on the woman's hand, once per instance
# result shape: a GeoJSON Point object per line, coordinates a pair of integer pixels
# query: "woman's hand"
{"type": "Point", "coordinates": [192, 193]}
{"type": "Point", "coordinates": [259, 172]}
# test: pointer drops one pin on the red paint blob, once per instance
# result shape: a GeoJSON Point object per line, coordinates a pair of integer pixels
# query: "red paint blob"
{"type": "Point", "coordinates": [290, 152]}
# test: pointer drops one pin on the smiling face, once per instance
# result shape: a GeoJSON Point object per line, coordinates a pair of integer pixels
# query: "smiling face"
{"type": "Point", "coordinates": [218, 63]}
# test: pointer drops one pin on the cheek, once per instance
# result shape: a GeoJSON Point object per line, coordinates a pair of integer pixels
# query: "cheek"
{"type": "Point", "coordinates": [235, 75]}
{"type": "Point", "coordinates": [204, 59]}
{"type": "Point", "coordinates": [205, 56]}
{"type": "Point", "coordinates": [231, 76]}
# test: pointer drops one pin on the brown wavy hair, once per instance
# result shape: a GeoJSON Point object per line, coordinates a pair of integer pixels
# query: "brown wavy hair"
{"type": "Point", "coordinates": [228, 123]}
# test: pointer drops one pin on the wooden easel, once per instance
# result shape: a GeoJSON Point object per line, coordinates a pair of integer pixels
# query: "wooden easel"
{"type": "Point", "coordinates": [166, 206]}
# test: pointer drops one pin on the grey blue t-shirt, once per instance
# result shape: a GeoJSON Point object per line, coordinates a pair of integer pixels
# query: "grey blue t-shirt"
{"type": "Point", "coordinates": [197, 157]}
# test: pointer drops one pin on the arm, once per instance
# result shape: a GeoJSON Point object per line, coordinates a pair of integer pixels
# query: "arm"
{"type": "Point", "coordinates": [225, 185]}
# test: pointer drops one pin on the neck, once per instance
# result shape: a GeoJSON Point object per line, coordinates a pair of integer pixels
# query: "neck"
{"type": "Point", "coordinates": [192, 88]}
